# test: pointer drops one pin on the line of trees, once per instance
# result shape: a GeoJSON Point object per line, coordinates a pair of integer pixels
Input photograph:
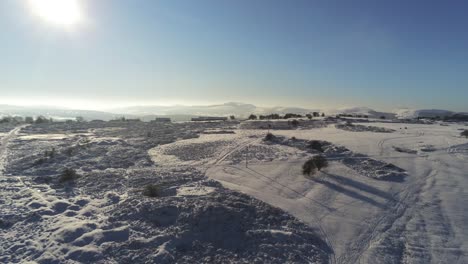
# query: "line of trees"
{"type": "Point", "coordinates": [286, 116]}
{"type": "Point", "coordinates": [27, 119]}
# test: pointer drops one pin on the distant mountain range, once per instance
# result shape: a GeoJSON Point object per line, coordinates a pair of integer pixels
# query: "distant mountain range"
{"type": "Point", "coordinates": [183, 112]}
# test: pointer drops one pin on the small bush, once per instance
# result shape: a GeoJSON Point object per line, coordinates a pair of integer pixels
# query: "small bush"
{"type": "Point", "coordinates": [464, 133]}
{"type": "Point", "coordinates": [40, 161]}
{"type": "Point", "coordinates": [295, 123]}
{"type": "Point", "coordinates": [152, 190]}
{"type": "Point", "coordinates": [50, 154]}
{"type": "Point", "coordinates": [309, 167]}
{"type": "Point", "coordinates": [69, 151]}
{"type": "Point", "coordinates": [316, 145]}
{"type": "Point", "coordinates": [320, 162]}
{"type": "Point", "coordinates": [252, 117]}
{"type": "Point", "coordinates": [68, 175]}
{"type": "Point", "coordinates": [316, 163]}
{"type": "Point", "coordinates": [269, 137]}
{"type": "Point", "coordinates": [293, 138]}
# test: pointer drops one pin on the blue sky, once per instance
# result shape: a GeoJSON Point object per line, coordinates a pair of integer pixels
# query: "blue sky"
{"type": "Point", "coordinates": [381, 54]}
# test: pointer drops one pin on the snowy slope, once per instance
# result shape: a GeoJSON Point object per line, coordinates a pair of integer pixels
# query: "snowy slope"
{"type": "Point", "coordinates": [419, 218]}
{"type": "Point", "coordinates": [415, 113]}
{"type": "Point", "coordinates": [361, 111]}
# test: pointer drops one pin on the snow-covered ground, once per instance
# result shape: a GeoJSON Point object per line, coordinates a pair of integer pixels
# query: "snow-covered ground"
{"type": "Point", "coordinates": [417, 217]}
{"type": "Point", "coordinates": [226, 195]}
{"type": "Point", "coordinates": [103, 216]}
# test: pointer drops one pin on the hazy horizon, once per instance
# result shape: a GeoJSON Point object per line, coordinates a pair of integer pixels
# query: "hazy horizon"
{"type": "Point", "coordinates": [86, 54]}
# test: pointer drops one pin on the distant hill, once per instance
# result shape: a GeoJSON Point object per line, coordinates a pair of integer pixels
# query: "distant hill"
{"type": "Point", "coordinates": [415, 113]}
{"type": "Point", "coordinates": [185, 113]}
{"type": "Point", "coordinates": [54, 112]}
{"type": "Point", "coordinates": [232, 108]}
{"type": "Point", "coordinates": [371, 113]}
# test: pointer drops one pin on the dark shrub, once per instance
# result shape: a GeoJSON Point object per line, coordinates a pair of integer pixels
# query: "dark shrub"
{"type": "Point", "coordinates": [269, 137]}
{"type": "Point", "coordinates": [290, 115]}
{"type": "Point", "coordinates": [68, 175]}
{"type": "Point", "coordinates": [152, 190]}
{"type": "Point", "coordinates": [295, 123]}
{"type": "Point", "coordinates": [464, 133]}
{"type": "Point", "coordinates": [316, 145]}
{"type": "Point", "coordinates": [315, 163]}
{"type": "Point", "coordinates": [50, 154]}
{"type": "Point", "coordinates": [309, 167]}
{"type": "Point", "coordinates": [252, 117]}
{"type": "Point", "coordinates": [320, 162]}
{"type": "Point", "coordinates": [40, 161]}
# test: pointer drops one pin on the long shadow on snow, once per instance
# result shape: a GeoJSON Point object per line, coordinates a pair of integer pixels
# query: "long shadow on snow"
{"type": "Point", "coordinates": [358, 185]}
{"type": "Point", "coordinates": [350, 193]}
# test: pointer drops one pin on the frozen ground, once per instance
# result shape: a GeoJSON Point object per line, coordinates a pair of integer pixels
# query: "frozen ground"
{"type": "Point", "coordinates": [102, 216]}
{"type": "Point", "coordinates": [395, 197]}
{"type": "Point", "coordinates": [386, 198]}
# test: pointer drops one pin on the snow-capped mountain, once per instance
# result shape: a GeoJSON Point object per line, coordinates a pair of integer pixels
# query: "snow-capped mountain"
{"type": "Point", "coordinates": [415, 113]}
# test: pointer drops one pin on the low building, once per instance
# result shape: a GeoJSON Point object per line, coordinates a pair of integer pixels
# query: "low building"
{"type": "Point", "coordinates": [210, 118]}
{"type": "Point", "coordinates": [163, 119]}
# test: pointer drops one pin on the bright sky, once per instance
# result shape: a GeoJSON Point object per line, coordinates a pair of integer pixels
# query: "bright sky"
{"type": "Point", "coordinates": [328, 53]}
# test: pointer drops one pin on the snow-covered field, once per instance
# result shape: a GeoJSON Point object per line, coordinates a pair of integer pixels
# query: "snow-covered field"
{"type": "Point", "coordinates": [226, 195]}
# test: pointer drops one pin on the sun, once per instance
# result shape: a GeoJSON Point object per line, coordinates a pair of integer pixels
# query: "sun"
{"type": "Point", "coordinates": [59, 12]}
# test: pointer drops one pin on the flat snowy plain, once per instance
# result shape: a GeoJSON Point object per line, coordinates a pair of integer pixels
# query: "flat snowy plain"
{"type": "Point", "coordinates": [397, 194]}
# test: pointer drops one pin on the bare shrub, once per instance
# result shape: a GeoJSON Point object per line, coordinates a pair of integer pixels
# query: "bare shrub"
{"type": "Point", "coordinates": [316, 163]}
{"type": "Point", "coordinates": [68, 175]}
{"type": "Point", "coordinates": [152, 190]}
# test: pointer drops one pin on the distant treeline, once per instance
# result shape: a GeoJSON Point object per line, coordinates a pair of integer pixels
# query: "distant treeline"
{"type": "Point", "coordinates": [27, 120]}
{"type": "Point", "coordinates": [452, 118]}
{"type": "Point", "coordinates": [286, 116]}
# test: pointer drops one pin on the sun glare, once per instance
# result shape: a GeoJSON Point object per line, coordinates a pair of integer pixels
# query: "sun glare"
{"type": "Point", "coordinates": [59, 12]}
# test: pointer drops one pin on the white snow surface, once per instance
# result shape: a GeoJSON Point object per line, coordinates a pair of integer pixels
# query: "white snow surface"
{"type": "Point", "coordinates": [406, 113]}
{"type": "Point", "coordinates": [102, 217]}
{"type": "Point", "coordinates": [418, 218]}
{"type": "Point", "coordinates": [395, 197]}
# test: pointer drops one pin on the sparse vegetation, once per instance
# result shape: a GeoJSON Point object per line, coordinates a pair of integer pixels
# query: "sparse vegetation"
{"type": "Point", "coordinates": [290, 115]}
{"type": "Point", "coordinates": [152, 190]}
{"type": "Point", "coordinates": [252, 117]}
{"type": "Point", "coordinates": [29, 120]}
{"type": "Point", "coordinates": [42, 120]}
{"type": "Point", "coordinates": [50, 154]}
{"type": "Point", "coordinates": [68, 175]}
{"type": "Point", "coordinates": [320, 162]}
{"type": "Point", "coordinates": [295, 123]}
{"type": "Point", "coordinates": [314, 164]}
{"type": "Point", "coordinates": [269, 137]}
{"type": "Point", "coordinates": [69, 151]}
{"type": "Point", "coordinates": [316, 145]}
{"type": "Point", "coordinates": [464, 133]}
{"type": "Point", "coordinates": [309, 168]}
{"type": "Point", "coordinates": [309, 116]}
